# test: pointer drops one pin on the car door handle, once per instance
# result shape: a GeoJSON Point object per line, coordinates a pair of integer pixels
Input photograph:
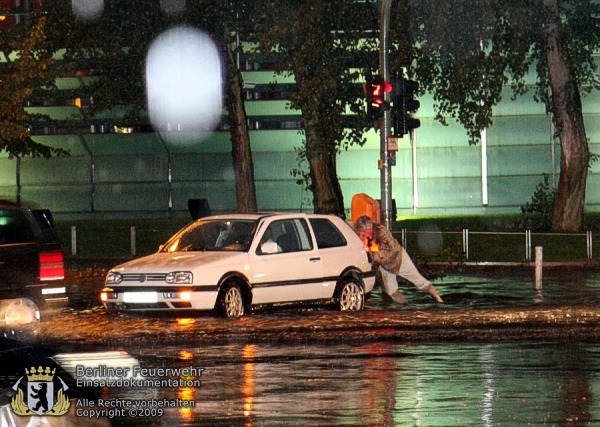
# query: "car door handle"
{"type": "Point", "coordinates": [315, 259]}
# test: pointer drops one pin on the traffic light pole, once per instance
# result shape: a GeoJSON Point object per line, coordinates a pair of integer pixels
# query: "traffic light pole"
{"type": "Point", "coordinates": [385, 130]}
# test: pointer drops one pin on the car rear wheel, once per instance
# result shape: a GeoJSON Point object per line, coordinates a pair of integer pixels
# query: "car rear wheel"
{"type": "Point", "coordinates": [231, 301]}
{"type": "Point", "coordinates": [351, 296]}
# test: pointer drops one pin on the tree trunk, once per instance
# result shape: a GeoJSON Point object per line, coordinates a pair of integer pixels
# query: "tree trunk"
{"type": "Point", "coordinates": [321, 157]}
{"type": "Point", "coordinates": [569, 202]}
{"type": "Point", "coordinates": [241, 152]}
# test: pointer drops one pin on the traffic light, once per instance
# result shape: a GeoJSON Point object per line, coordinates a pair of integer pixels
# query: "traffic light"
{"type": "Point", "coordinates": [404, 105]}
{"type": "Point", "coordinates": [375, 90]}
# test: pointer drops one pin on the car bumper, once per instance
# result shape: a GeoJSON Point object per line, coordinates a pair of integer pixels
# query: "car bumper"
{"type": "Point", "coordinates": [369, 281]}
{"type": "Point", "coordinates": [158, 299]}
{"type": "Point", "coordinates": [55, 295]}
{"type": "Point", "coordinates": [48, 294]}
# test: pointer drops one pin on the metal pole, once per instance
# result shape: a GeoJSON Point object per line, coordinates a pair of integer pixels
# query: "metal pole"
{"type": "Point", "coordinates": [18, 179]}
{"type": "Point", "coordinates": [386, 174]}
{"type": "Point", "coordinates": [133, 239]}
{"type": "Point", "coordinates": [539, 262]}
{"type": "Point", "coordinates": [169, 173]}
{"type": "Point", "coordinates": [73, 240]}
{"type": "Point", "coordinates": [92, 171]}
{"type": "Point", "coordinates": [415, 175]}
{"type": "Point", "coordinates": [484, 168]}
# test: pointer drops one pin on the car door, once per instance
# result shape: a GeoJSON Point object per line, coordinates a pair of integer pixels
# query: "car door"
{"type": "Point", "coordinates": [285, 264]}
{"type": "Point", "coordinates": [333, 248]}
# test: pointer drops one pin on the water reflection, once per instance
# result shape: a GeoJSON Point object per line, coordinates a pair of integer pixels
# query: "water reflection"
{"type": "Point", "coordinates": [186, 393]}
{"type": "Point", "coordinates": [248, 382]}
{"type": "Point", "coordinates": [377, 383]}
{"type": "Point", "coordinates": [502, 288]}
{"type": "Point", "coordinates": [384, 384]}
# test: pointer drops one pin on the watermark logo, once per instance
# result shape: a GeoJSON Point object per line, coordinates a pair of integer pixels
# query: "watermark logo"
{"type": "Point", "coordinates": [42, 398]}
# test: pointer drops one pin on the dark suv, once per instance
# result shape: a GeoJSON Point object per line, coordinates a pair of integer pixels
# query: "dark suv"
{"type": "Point", "coordinates": [31, 260]}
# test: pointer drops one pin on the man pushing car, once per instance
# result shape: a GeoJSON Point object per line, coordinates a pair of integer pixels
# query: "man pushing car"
{"type": "Point", "coordinates": [392, 259]}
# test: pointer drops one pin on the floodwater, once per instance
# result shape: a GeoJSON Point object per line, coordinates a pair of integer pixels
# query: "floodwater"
{"type": "Point", "coordinates": [506, 288]}
{"type": "Point", "coordinates": [378, 383]}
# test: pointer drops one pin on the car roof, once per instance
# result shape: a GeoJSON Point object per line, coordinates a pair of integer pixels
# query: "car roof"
{"type": "Point", "coordinates": [11, 204]}
{"type": "Point", "coordinates": [7, 204]}
{"type": "Point", "coordinates": [260, 215]}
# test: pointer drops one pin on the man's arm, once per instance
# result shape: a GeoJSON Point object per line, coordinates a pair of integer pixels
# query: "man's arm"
{"type": "Point", "coordinates": [390, 251]}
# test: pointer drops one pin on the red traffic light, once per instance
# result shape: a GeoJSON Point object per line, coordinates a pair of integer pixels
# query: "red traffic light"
{"type": "Point", "coordinates": [375, 90]}
{"type": "Point", "coordinates": [379, 86]}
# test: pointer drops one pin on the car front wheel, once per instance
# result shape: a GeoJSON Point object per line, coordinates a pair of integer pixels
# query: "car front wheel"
{"type": "Point", "coordinates": [231, 302]}
{"type": "Point", "coordinates": [351, 296]}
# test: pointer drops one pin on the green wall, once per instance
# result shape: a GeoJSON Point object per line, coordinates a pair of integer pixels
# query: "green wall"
{"type": "Point", "coordinates": [140, 174]}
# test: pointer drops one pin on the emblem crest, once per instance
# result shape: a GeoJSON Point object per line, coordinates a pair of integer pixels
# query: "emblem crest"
{"type": "Point", "coordinates": [43, 398]}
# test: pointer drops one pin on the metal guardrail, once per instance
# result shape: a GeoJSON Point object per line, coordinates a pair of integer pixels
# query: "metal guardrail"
{"type": "Point", "coordinates": [465, 245]}
{"type": "Point", "coordinates": [527, 237]}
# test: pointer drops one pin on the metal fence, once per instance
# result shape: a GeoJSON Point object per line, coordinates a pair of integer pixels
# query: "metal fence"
{"type": "Point", "coordinates": [490, 246]}
{"type": "Point", "coordinates": [431, 245]}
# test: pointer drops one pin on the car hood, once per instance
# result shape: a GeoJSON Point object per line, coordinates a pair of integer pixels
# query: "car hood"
{"type": "Point", "coordinates": [164, 262]}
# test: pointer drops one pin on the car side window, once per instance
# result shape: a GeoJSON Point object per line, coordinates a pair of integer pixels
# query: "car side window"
{"type": "Point", "coordinates": [14, 227]}
{"type": "Point", "coordinates": [289, 235]}
{"type": "Point", "coordinates": [267, 243]}
{"type": "Point", "coordinates": [327, 234]}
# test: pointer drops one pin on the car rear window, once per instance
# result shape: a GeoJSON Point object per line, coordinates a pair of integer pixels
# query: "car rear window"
{"type": "Point", "coordinates": [45, 221]}
{"type": "Point", "coordinates": [14, 227]}
{"type": "Point", "coordinates": [327, 234]}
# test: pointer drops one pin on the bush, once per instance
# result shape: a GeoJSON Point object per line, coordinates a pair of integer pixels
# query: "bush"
{"type": "Point", "coordinates": [537, 214]}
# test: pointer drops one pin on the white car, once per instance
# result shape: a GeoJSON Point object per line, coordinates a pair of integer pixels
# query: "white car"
{"type": "Point", "coordinates": [232, 263]}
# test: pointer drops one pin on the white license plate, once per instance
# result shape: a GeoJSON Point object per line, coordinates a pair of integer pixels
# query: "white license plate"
{"type": "Point", "coordinates": [53, 291]}
{"type": "Point", "coordinates": [140, 297]}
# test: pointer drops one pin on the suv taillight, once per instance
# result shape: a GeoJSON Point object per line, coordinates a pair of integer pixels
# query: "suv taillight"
{"type": "Point", "coordinates": [52, 266]}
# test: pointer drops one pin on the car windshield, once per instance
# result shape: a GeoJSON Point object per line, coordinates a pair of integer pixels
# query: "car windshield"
{"type": "Point", "coordinates": [213, 235]}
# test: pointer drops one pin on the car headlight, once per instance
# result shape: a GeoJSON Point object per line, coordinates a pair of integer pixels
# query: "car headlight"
{"type": "Point", "coordinates": [180, 278]}
{"type": "Point", "coordinates": [184, 295]}
{"type": "Point", "coordinates": [107, 293]}
{"type": "Point", "coordinates": [113, 277]}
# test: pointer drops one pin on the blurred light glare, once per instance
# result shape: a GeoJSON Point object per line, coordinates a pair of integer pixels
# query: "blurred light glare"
{"type": "Point", "coordinates": [19, 311]}
{"type": "Point", "coordinates": [184, 83]}
{"type": "Point", "coordinates": [172, 7]}
{"type": "Point", "coordinates": [87, 10]}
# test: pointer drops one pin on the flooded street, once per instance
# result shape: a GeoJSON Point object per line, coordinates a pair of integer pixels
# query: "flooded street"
{"type": "Point", "coordinates": [498, 353]}
{"type": "Point", "coordinates": [377, 384]}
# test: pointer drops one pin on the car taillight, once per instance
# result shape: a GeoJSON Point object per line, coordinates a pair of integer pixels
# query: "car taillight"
{"type": "Point", "coordinates": [52, 266]}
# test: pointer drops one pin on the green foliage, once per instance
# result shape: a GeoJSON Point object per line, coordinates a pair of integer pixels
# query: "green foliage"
{"type": "Point", "coordinates": [325, 45]}
{"type": "Point", "coordinates": [28, 66]}
{"type": "Point", "coordinates": [112, 51]}
{"type": "Point", "coordinates": [537, 214]}
{"type": "Point", "coordinates": [466, 51]}
{"type": "Point", "coordinates": [325, 61]}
